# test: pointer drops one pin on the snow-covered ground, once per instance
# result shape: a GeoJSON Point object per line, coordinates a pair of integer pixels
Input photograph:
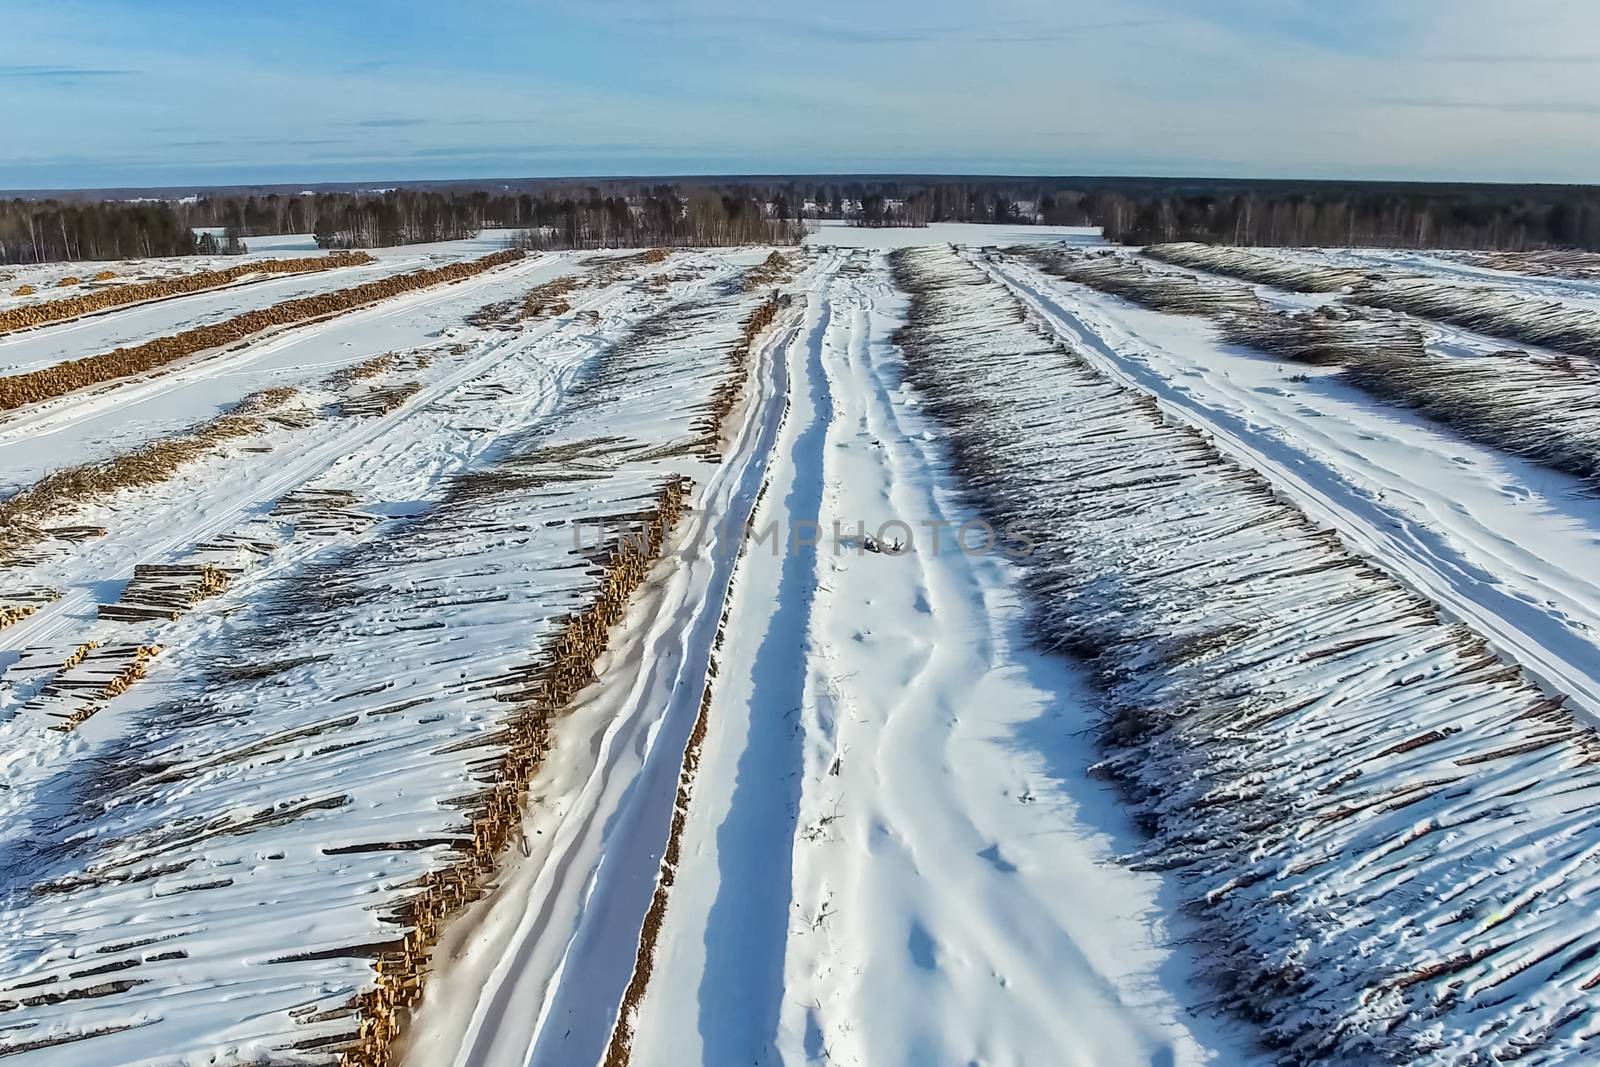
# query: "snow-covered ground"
{"type": "Point", "coordinates": [1509, 546]}
{"type": "Point", "coordinates": [46, 278]}
{"type": "Point", "coordinates": [832, 232]}
{"type": "Point", "coordinates": [94, 426]}
{"type": "Point", "coordinates": [836, 794]}
{"type": "Point", "coordinates": [894, 854]}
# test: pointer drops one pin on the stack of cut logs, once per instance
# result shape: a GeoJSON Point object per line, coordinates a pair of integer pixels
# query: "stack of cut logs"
{"type": "Point", "coordinates": [17, 604]}
{"type": "Point", "coordinates": [709, 425]}
{"type": "Point", "coordinates": [375, 402]}
{"type": "Point", "coordinates": [164, 591]}
{"type": "Point", "coordinates": [323, 512]}
{"type": "Point", "coordinates": [101, 673]}
{"type": "Point", "coordinates": [498, 822]}
{"type": "Point", "coordinates": [542, 301]}
{"type": "Point", "coordinates": [138, 292]}
{"type": "Point", "coordinates": [774, 269]}
{"type": "Point", "coordinates": [62, 378]}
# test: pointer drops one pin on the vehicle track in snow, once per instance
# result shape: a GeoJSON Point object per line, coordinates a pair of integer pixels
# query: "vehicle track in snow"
{"type": "Point", "coordinates": [71, 425]}
{"type": "Point", "coordinates": [555, 958]}
{"type": "Point", "coordinates": [891, 855]}
{"type": "Point", "coordinates": [281, 475]}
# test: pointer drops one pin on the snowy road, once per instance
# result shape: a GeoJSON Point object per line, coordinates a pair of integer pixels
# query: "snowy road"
{"type": "Point", "coordinates": [893, 854]}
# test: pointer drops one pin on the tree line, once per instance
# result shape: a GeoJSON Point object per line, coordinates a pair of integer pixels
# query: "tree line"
{"type": "Point", "coordinates": [1381, 218]}
{"type": "Point", "coordinates": [1151, 210]}
{"type": "Point", "coordinates": [704, 211]}
{"type": "Point", "coordinates": [578, 217]}
{"type": "Point", "coordinates": [45, 231]}
{"type": "Point", "coordinates": [658, 218]}
{"type": "Point", "coordinates": [397, 217]}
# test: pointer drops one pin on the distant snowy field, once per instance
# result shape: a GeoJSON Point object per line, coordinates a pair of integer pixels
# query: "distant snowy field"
{"type": "Point", "coordinates": [1314, 785]}
{"type": "Point", "coordinates": [841, 234]}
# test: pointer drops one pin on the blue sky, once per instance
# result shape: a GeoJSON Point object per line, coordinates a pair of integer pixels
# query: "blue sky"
{"type": "Point", "coordinates": [161, 92]}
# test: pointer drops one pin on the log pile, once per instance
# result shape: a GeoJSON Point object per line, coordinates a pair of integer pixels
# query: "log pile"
{"type": "Point", "coordinates": [378, 401]}
{"type": "Point", "coordinates": [548, 300]}
{"type": "Point", "coordinates": [163, 592]}
{"type": "Point", "coordinates": [774, 269]}
{"type": "Point", "coordinates": [708, 427]}
{"type": "Point", "coordinates": [1548, 263]}
{"type": "Point", "coordinates": [63, 378]}
{"type": "Point", "coordinates": [542, 301]}
{"type": "Point", "coordinates": [1181, 294]}
{"type": "Point", "coordinates": [37, 665]}
{"type": "Point", "coordinates": [90, 676]}
{"type": "Point", "coordinates": [1565, 327]}
{"type": "Point", "coordinates": [323, 512]}
{"type": "Point", "coordinates": [1263, 268]}
{"type": "Point", "coordinates": [1310, 747]}
{"type": "Point", "coordinates": [1327, 336]}
{"type": "Point", "coordinates": [76, 533]}
{"type": "Point", "coordinates": [367, 368]}
{"type": "Point", "coordinates": [18, 604]}
{"type": "Point", "coordinates": [1544, 410]}
{"type": "Point", "coordinates": [543, 690]}
{"type": "Point", "coordinates": [72, 487]}
{"type": "Point", "coordinates": [139, 292]}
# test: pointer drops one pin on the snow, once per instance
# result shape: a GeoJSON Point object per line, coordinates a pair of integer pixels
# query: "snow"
{"type": "Point", "coordinates": [839, 234]}
{"type": "Point", "coordinates": [98, 424]}
{"type": "Point", "coordinates": [357, 736]}
{"type": "Point", "coordinates": [550, 994]}
{"type": "Point", "coordinates": [1305, 761]}
{"type": "Point", "coordinates": [45, 276]}
{"type": "Point", "coordinates": [896, 854]}
{"type": "Point", "coordinates": [1501, 542]}
{"type": "Point", "coordinates": [1385, 830]}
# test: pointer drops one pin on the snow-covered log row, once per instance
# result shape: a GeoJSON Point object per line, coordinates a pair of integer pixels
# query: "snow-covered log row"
{"type": "Point", "coordinates": [1328, 336]}
{"type": "Point", "coordinates": [1183, 294]}
{"type": "Point", "coordinates": [1494, 311]}
{"type": "Point", "coordinates": [1544, 263]}
{"type": "Point", "coordinates": [1255, 267]}
{"type": "Point", "coordinates": [122, 293]}
{"type": "Point", "coordinates": [1497, 312]}
{"type": "Point", "coordinates": [43, 384]}
{"type": "Point", "coordinates": [1545, 410]}
{"type": "Point", "coordinates": [322, 773]}
{"type": "Point", "coordinates": [1391, 832]}
{"type": "Point", "coordinates": [368, 389]}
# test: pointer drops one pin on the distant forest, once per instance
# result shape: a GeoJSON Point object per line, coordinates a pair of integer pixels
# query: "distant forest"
{"type": "Point", "coordinates": [1131, 210]}
{"type": "Point", "coordinates": [660, 217]}
{"type": "Point", "coordinates": [45, 231]}
{"type": "Point", "coordinates": [579, 218]}
{"type": "Point", "coordinates": [549, 213]}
